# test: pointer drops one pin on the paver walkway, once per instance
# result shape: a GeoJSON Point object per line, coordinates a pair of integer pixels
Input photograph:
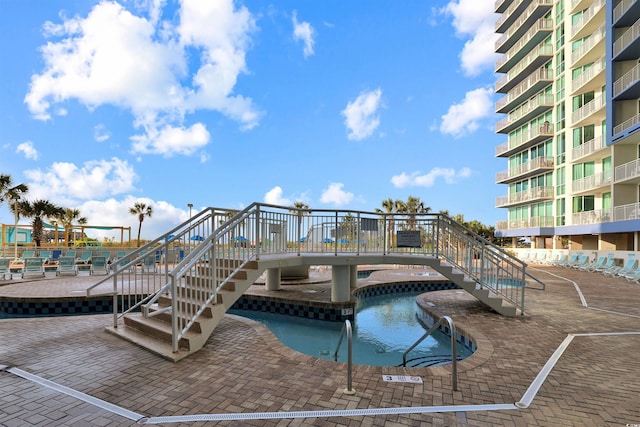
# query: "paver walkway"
{"type": "Point", "coordinates": [244, 368]}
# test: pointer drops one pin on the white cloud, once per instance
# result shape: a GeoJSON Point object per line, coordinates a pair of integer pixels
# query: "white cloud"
{"type": "Point", "coordinates": [475, 19]}
{"type": "Point", "coordinates": [416, 179]}
{"type": "Point", "coordinates": [113, 57]}
{"type": "Point", "coordinates": [304, 32]}
{"type": "Point", "coordinates": [334, 194]}
{"type": "Point", "coordinates": [463, 118]}
{"type": "Point", "coordinates": [274, 197]}
{"type": "Point", "coordinates": [66, 183]}
{"type": "Point", "coordinates": [361, 116]}
{"type": "Point", "coordinates": [171, 140]}
{"type": "Point", "coordinates": [28, 150]}
{"type": "Point", "coordinates": [100, 133]}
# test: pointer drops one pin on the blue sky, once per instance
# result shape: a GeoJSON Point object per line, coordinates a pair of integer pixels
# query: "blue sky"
{"type": "Point", "coordinates": [221, 103]}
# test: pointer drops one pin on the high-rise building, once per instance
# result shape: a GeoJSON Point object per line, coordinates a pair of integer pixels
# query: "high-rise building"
{"type": "Point", "coordinates": [570, 74]}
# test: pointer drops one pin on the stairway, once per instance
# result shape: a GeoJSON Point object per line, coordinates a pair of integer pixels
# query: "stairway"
{"type": "Point", "coordinates": [492, 300]}
{"type": "Point", "coordinates": [155, 333]}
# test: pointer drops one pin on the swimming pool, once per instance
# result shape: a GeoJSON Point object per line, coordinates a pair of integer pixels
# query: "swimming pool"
{"type": "Point", "coordinates": [384, 327]}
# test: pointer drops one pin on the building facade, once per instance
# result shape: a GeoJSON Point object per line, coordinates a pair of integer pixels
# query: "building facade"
{"type": "Point", "coordinates": [569, 72]}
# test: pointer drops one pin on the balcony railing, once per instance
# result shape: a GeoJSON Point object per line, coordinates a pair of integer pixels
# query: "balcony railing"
{"type": "Point", "coordinates": [589, 44]}
{"type": "Point", "coordinates": [524, 138]}
{"type": "Point", "coordinates": [514, 224]}
{"type": "Point", "coordinates": [596, 104]}
{"type": "Point", "coordinates": [587, 15]}
{"type": "Point", "coordinates": [524, 168]}
{"type": "Point", "coordinates": [626, 38]}
{"type": "Point", "coordinates": [542, 50]}
{"type": "Point", "coordinates": [588, 74]}
{"type": "Point", "coordinates": [591, 182]}
{"type": "Point", "coordinates": [591, 146]}
{"type": "Point", "coordinates": [541, 100]}
{"type": "Point", "coordinates": [629, 78]}
{"type": "Point", "coordinates": [595, 216]}
{"type": "Point", "coordinates": [622, 8]}
{"type": "Point", "coordinates": [627, 124]}
{"type": "Point", "coordinates": [544, 25]}
{"type": "Point", "coordinates": [627, 171]}
{"type": "Point", "coordinates": [540, 75]}
{"type": "Point", "coordinates": [506, 15]}
{"type": "Point", "coordinates": [626, 212]}
{"type": "Point", "coordinates": [531, 194]}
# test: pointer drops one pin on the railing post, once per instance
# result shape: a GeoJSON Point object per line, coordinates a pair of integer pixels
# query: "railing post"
{"type": "Point", "coordinates": [358, 235]}
{"type": "Point", "coordinates": [258, 233]}
{"type": "Point", "coordinates": [115, 299]}
{"type": "Point", "coordinates": [335, 241]}
{"type": "Point", "coordinates": [299, 231]}
{"type": "Point", "coordinates": [384, 234]}
{"type": "Point", "coordinates": [174, 316]}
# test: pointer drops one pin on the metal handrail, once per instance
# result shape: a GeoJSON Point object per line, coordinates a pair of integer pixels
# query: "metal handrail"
{"type": "Point", "coordinates": [454, 352]}
{"type": "Point", "coordinates": [346, 329]}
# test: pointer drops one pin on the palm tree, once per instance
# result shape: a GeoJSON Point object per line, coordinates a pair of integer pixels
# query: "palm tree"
{"type": "Point", "coordinates": [67, 217]}
{"type": "Point", "coordinates": [412, 207]}
{"type": "Point", "coordinates": [141, 210]}
{"type": "Point", "coordinates": [12, 193]}
{"type": "Point", "coordinates": [390, 206]}
{"type": "Point", "coordinates": [39, 209]}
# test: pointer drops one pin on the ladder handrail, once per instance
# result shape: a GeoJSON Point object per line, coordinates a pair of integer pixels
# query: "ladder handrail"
{"type": "Point", "coordinates": [347, 329]}
{"type": "Point", "coordinates": [454, 352]}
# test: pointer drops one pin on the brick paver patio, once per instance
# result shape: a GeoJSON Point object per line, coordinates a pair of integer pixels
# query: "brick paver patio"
{"type": "Point", "coordinates": [245, 369]}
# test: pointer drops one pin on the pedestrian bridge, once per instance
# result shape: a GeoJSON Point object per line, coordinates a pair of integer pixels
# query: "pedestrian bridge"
{"type": "Point", "coordinates": [170, 294]}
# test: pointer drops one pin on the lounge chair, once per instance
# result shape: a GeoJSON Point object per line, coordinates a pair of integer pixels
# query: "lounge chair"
{"type": "Point", "coordinates": [5, 268]}
{"type": "Point", "coordinates": [45, 256]}
{"type": "Point", "coordinates": [595, 264]}
{"type": "Point", "coordinates": [563, 259]}
{"type": "Point", "coordinates": [107, 255]}
{"type": "Point", "coordinates": [149, 264]}
{"type": "Point", "coordinates": [99, 265]}
{"type": "Point", "coordinates": [33, 267]}
{"type": "Point", "coordinates": [606, 266]}
{"type": "Point", "coordinates": [118, 262]}
{"type": "Point", "coordinates": [28, 254]}
{"type": "Point", "coordinates": [71, 253]}
{"type": "Point", "coordinates": [85, 257]}
{"type": "Point", "coordinates": [568, 261]}
{"type": "Point", "coordinates": [629, 266]}
{"type": "Point", "coordinates": [67, 265]}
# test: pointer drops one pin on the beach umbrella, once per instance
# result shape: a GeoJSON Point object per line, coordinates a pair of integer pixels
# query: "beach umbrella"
{"type": "Point", "coordinates": [327, 240]}
{"type": "Point", "coordinates": [197, 238]}
{"type": "Point", "coordinates": [239, 239]}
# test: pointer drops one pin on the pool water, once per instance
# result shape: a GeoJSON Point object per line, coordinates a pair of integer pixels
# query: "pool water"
{"type": "Point", "coordinates": [384, 328]}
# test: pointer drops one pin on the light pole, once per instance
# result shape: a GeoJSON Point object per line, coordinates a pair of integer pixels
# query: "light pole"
{"type": "Point", "coordinates": [190, 206]}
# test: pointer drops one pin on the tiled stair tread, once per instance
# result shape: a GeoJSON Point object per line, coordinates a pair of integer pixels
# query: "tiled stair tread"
{"type": "Point", "coordinates": [154, 327]}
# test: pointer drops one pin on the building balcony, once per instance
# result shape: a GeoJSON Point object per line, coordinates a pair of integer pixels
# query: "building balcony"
{"type": "Point", "coordinates": [627, 46]}
{"type": "Point", "coordinates": [535, 107]}
{"type": "Point", "coordinates": [502, 5]}
{"type": "Point", "coordinates": [525, 24]}
{"type": "Point", "coordinates": [525, 140]}
{"type": "Point", "coordinates": [627, 173]}
{"type": "Point", "coordinates": [525, 170]}
{"type": "Point", "coordinates": [535, 222]}
{"type": "Point", "coordinates": [591, 112]}
{"type": "Point", "coordinates": [527, 196]}
{"type": "Point", "coordinates": [536, 81]}
{"type": "Point", "coordinates": [626, 13]}
{"type": "Point", "coordinates": [591, 49]}
{"type": "Point", "coordinates": [515, 10]}
{"type": "Point", "coordinates": [533, 36]}
{"type": "Point", "coordinates": [596, 216]}
{"type": "Point", "coordinates": [577, 5]}
{"type": "Point", "coordinates": [588, 150]}
{"type": "Point", "coordinates": [626, 212]}
{"type": "Point", "coordinates": [629, 123]}
{"type": "Point", "coordinates": [589, 21]}
{"type": "Point", "coordinates": [539, 56]}
{"type": "Point", "coordinates": [591, 183]}
{"type": "Point", "coordinates": [628, 86]}
{"type": "Point", "coordinates": [591, 79]}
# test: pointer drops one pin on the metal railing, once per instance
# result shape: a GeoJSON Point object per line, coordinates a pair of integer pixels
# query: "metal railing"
{"type": "Point", "coordinates": [223, 242]}
{"type": "Point", "coordinates": [454, 347]}
{"type": "Point", "coordinates": [346, 330]}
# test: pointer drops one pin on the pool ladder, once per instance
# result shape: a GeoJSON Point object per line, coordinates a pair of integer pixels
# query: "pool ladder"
{"type": "Point", "coordinates": [346, 330]}
{"type": "Point", "coordinates": [454, 352]}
